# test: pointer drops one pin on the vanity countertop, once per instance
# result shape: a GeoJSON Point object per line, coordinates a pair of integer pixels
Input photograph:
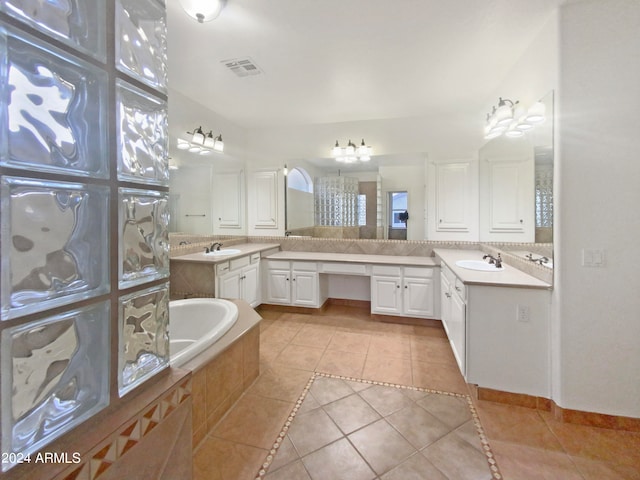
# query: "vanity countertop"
{"type": "Point", "coordinates": [353, 258]}
{"type": "Point", "coordinates": [245, 249]}
{"type": "Point", "coordinates": [509, 277]}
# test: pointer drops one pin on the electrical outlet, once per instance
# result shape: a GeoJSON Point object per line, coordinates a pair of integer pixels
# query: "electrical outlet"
{"type": "Point", "coordinates": [524, 314]}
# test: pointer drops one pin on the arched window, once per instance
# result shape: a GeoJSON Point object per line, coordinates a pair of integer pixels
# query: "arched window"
{"type": "Point", "coordinates": [299, 179]}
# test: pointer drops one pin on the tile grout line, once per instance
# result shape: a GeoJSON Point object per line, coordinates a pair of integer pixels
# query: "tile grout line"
{"type": "Point", "coordinates": [486, 448]}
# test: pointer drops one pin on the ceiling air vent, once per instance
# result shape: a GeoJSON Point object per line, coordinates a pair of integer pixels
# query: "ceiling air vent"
{"type": "Point", "coordinates": [242, 67]}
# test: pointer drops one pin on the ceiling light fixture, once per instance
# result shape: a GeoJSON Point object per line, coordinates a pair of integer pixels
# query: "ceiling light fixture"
{"type": "Point", "coordinates": [351, 153]}
{"type": "Point", "coordinates": [510, 118]}
{"type": "Point", "coordinates": [203, 10]}
{"type": "Point", "coordinates": [201, 143]}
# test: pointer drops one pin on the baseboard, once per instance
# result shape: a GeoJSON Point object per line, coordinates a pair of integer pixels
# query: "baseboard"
{"type": "Point", "coordinates": [565, 415]}
{"type": "Point", "coordinates": [365, 304]}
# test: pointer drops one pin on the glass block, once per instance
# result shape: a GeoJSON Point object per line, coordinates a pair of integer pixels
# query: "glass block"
{"type": "Point", "coordinates": [142, 136]}
{"type": "Point", "coordinates": [55, 375]}
{"type": "Point", "coordinates": [78, 23]}
{"type": "Point", "coordinates": [54, 244]}
{"type": "Point", "coordinates": [144, 236]}
{"type": "Point", "coordinates": [141, 41]}
{"type": "Point", "coordinates": [144, 336]}
{"type": "Point", "coordinates": [55, 115]}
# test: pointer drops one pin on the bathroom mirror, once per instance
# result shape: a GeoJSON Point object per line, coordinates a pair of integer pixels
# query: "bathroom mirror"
{"type": "Point", "coordinates": [516, 188]}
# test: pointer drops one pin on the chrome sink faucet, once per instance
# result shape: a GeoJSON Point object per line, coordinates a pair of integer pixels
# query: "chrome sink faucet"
{"type": "Point", "coordinates": [493, 260]}
{"type": "Point", "coordinates": [214, 246]}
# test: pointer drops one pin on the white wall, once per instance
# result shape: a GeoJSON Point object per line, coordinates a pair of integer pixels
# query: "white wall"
{"type": "Point", "coordinates": [598, 309]}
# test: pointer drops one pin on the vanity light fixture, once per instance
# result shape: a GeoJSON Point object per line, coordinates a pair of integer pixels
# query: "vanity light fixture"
{"type": "Point", "coordinates": [351, 153]}
{"type": "Point", "coordinates": [203, 10]}
{"type": "Point", "coordinates": [201, 143]}
{"type": "Point", "coordinates": [510, 118]}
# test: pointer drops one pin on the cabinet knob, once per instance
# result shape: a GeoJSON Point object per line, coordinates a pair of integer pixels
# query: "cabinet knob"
{"type": "Point", "coordinates": [521, 221]}
{"type": "Point", "coordinates": [458, 289]}
{"type": "Point", "coordinates": [397, 286]}
{"type": "Point", "coordinates": [406, 286]}
{"type": "Point", "coordinates": [287, 279]}
{"type": "Point", "coordinates": [448, 295]}
{"type": "Point", "coordinates": [294, 279]}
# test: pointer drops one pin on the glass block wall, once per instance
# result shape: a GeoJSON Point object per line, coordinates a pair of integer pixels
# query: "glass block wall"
{"type": "Point", "coordinates": [84, 222]}
{"type": "Point", "coordinates": [336, 201]}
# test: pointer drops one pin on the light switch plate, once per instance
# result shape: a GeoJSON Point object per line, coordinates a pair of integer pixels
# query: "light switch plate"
{"type": "Point", "coordinates": [592, 257]}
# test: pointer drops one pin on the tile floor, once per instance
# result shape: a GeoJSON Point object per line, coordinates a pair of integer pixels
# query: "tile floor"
{"type": "Point", "coordinates": [344, 341]}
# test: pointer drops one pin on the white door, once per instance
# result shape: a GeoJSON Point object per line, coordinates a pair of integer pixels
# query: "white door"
{"type": "Point", "coordinates": [229, 188]}
{"type": "Point", "coordinates": [278, 286]}
{"type": "Point", "coordinates": [265, 199]}
{"type": "Point", "coordinates": [229, 285]}
{"type": "Point", "coordinates": [250, 285]}
{"type": "Point", "coordinates": [385, 295]}
{"type": "Point", "coordinates": [418, 297]}
{"type": "Point", "coordinates": [305, 288]}
{"type": "Point", "coordinates": [445, 303]}
{"type": "Point", "coordinates": [452, 197]}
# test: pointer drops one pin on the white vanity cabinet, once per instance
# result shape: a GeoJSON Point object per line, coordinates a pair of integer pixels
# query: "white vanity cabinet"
{"type": "Point", "coordinates": [293, 283]}
{"type": "Point", "coordinates": [453, 312]}
{"type": "Point", "coordinates": [239, 278]}
{"type": "Point", "coordinates": [407, 291]}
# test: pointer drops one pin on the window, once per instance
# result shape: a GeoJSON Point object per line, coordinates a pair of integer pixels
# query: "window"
{"type": "Point", "coordinates": [299, 179]}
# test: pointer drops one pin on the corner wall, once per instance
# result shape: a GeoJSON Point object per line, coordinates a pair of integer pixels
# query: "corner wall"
{"type": "Point", "coordinates": [597, 309]}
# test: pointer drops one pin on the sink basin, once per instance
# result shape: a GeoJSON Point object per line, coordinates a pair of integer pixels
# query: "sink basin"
{"type": "Point", "coordinates": [223, 252]}
{"type": "Point", "coordinates": [479, 265]}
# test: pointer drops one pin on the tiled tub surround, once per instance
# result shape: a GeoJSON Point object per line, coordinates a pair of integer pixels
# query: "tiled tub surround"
{"type": "Point", "coordinates": [344, 341]}
{"type": "Point", "coordinates": [148, 436]}
{"type": "Point", "coordinates": [224, 371]}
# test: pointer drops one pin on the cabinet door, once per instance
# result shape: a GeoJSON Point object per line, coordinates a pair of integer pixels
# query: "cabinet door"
{"type": "Point", "coordinates": [250, 285]}
{"type": "Point", "coordinates": [229, 188]}
{"type": "Point", "coordinates": [229, 285]}
{"type": "Point", "coordinates": [452, 197]}
{"type": "Point", "coordinates": [305, 288]}
{"type": "Point", "coordinates": [278, 286]}
{"type": "Point", "coordinates": [385, 295]}
{"type": "Point", "coordinates": [445, 303]}
{"type": "Point", "coordinates": [265, 199]}
{"type": "Point", "coordinates": [511, 201]}
{"type": "Point", "coordinates": [457, 331]}
{"type": "Point", "coordinates": [418, 297]}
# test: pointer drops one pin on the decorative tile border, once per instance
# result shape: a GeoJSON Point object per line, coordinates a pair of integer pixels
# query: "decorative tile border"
{"type": "Point", "coordinates": [486, 448]}
{"type": "Point", "coordinates": [108, 452]}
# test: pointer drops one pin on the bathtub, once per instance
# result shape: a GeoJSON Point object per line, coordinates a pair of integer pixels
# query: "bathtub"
{"type": "Point", "coordinates": [195, 324]}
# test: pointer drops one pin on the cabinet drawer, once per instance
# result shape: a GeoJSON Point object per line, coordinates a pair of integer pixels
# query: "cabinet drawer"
{"type": "Point", "coordinates": [344, 268]}
{"type": "Point", "coordinates": [418, 272]}
{"type": "Point", "coordinates": [305, 266]}
{"type": "Point", "coordinates": [255, 258]}
{"type": "Point", "coordinates": [386, 270]}
{"type": "Point", "coordinates": [239, 262]}
{"type": "Point", "coordinates": [278, 264]}
{"type": "Point", "coordinates": [222, 268]}
{"type": "Point", "coordinates": [447, 273]}
{"type": "Point", "coordinates": [460, 288]}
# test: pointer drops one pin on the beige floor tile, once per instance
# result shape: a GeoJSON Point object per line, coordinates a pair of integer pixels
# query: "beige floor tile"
{"type": "Point", "coordinates": [438, 376]}
{"type": "Point", "coordinates": [218, 459]}
{"type": "Point", "coordinates": [337, 461]}
{"type": "Point", "coordinates": [299, 356]}
{"type": "Point", "coordinates": [521, 462]}
{"type": "Point", "coordinates": [326, 390]}
{"type": "Point", "coordinates": [351, 413]}
{"type": "Point", "coordinates": [384, 368]}
{"type": "Point", "coordinates": [312, 431]}
{"type": "Point", "coordinates": [254, 421]}
{"type": "Point", "coordinates": [518, 425]}
{"type": "Point", "coordinates": [596, 470]}
{"type": "Point", "coordinates": [457, 459]}
{"type": "Point", "coordinates": [385, 400]}
{"type": "Point", "coordinates": [381, 446]}
{"type": "Point", "coordinates": [285, 455]}
{"type": "Point", "coordinates": [594, 443]}
{"type": "Point", "coordinates": [432, 349]}
{"type": "Point", "coordinates": [342, 363]}
{"type": "Point", "coordinates": [278, 332]}
{"type": "Point", "coordinates": [294, 471]}
{"type": "Point", "coordinates": [416, 467]}
{"type": "Point", "coordinates": [269, 351]}
{"type": "Point", "coordinates": [349, 342]}
{"type": "Point", "coordinates": [450, 410]}
{"type": "Point", "coordinates": [418, 426]}
{"type": "Point", "coordinates": [281, 383]}
{"type": "Point", "coordinates": [390, 345]}
{"type": "Point", "coordinates": [314, 336]}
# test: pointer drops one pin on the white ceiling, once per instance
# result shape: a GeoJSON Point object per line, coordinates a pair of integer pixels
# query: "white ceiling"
{"type": "Point", "coordinates": [348, 60]}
